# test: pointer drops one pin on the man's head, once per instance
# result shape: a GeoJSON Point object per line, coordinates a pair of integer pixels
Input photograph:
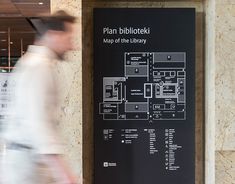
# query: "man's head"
{"type": "Point", "coordinates": [55, 31]}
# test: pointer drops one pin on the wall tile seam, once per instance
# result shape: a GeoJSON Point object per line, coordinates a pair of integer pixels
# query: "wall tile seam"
{"type": "Point", "coordinates": [209, 9]}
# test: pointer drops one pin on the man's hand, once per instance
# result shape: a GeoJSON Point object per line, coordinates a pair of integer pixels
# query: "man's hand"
{"type": "Point", "coordinates": [61, 172]}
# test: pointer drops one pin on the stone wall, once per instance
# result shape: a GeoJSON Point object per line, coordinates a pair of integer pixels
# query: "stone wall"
{"type": "Point", "coordinates": [225, 91]}
{"type": "Point", "coordinates": [70, 75]}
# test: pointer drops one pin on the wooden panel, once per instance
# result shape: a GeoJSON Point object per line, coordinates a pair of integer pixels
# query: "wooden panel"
{"type": "Point", "coordinates": [16, 24]}
{"type": "Point", "coordinates": [12, 13]}
{"type": "Point", "coordinates": [18, 8]}
{"type": "Point", "coordinates": [32, 7]}
{"type": "Point", "coordinates": [19, 29]}
{"type": "Point", "coordinates": [6, 7]}
{"type": "Point", "coordinates": [27, 39]}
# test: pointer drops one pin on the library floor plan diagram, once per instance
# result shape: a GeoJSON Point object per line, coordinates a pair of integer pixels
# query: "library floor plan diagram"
{"type": "Point", "coordinates": [153, 87]}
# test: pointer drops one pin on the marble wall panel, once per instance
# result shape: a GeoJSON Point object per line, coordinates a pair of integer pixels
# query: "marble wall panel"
{"type": "Point", "coordinates": [225, 75]}
{"type": "Point", "coordinates": [225, 167]}
{"type": "Point", "coordinates": [70, 76]}
{"type": "Point", "coordinates": [225, 91]}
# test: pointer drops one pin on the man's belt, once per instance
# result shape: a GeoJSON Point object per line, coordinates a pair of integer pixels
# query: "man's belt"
{"type": "Point", "coordinates": [18, 146]}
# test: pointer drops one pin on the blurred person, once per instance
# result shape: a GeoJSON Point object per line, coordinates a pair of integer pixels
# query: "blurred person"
{"type": "Point", "coordinates": [33, 145]}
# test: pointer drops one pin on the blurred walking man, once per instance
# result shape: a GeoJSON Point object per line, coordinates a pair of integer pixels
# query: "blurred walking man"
{"type": "Point", "coordinates": [34, 149]}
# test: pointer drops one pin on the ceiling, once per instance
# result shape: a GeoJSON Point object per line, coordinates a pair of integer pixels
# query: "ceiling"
{"type": "Point", "coordinates": [23, 8]}
{"type": "Point", "coordinates": [12, 18]}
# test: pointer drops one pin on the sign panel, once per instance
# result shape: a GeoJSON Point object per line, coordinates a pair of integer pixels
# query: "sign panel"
{"type": "Point", "coordinates": [144, 96]}
{"type": "Point", "coordinates": [6, 87]}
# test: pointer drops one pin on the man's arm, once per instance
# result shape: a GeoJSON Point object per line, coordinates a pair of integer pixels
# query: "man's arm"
{"type": "Point", "coordinates": [59, 169]}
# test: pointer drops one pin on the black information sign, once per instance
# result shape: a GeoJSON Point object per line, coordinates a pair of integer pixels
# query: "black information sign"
{"type": "Point", "coordinates": [144, 95]}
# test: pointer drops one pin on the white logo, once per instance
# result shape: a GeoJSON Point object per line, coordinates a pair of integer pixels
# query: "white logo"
{"type": "Point", "coordinates": [109, 164]}
{"type": "Point", "coordinates": [105, 164]}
